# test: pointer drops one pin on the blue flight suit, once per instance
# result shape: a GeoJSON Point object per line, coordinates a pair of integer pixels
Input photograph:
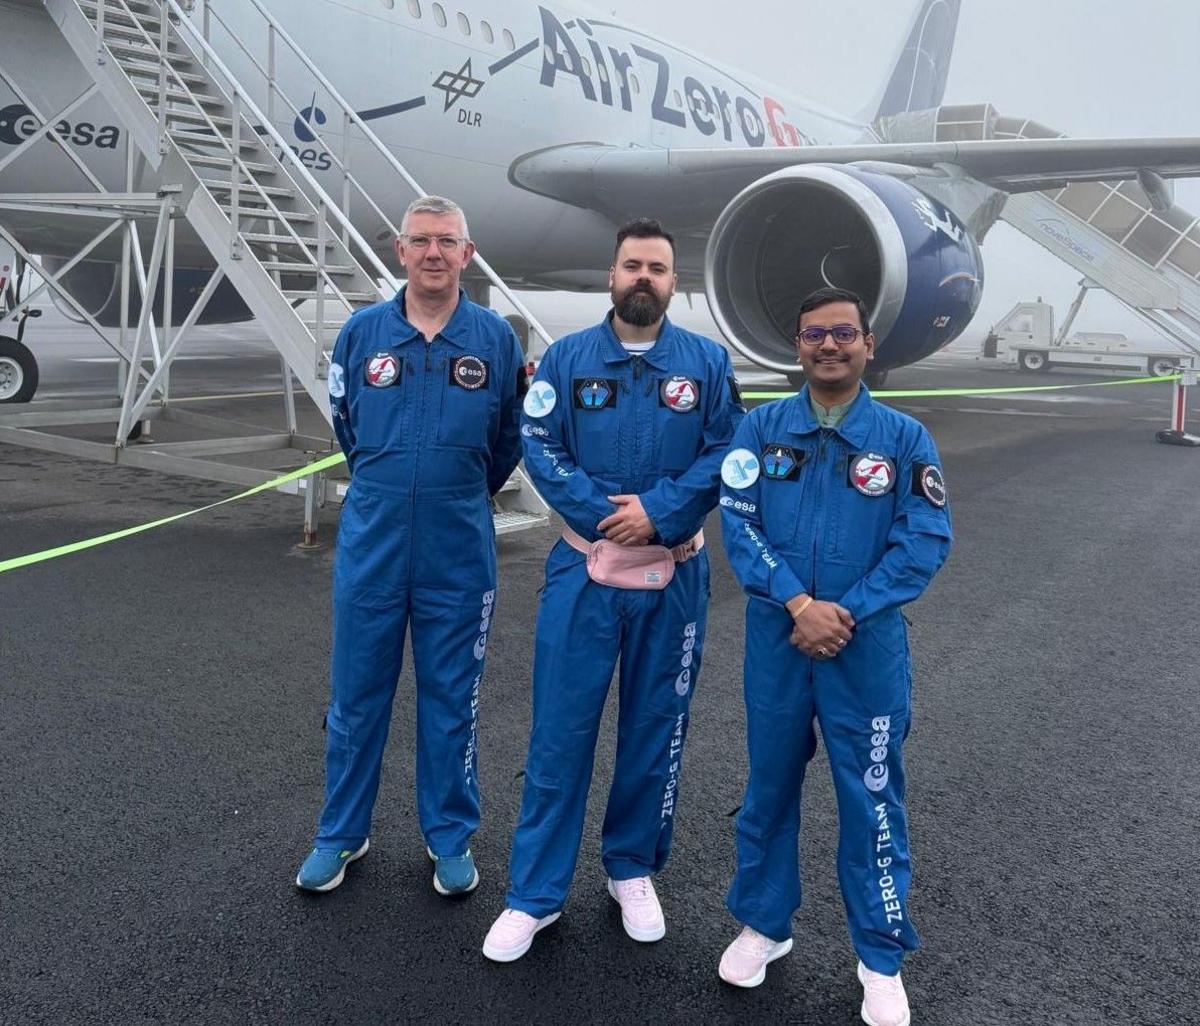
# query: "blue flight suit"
{"type": "Point", "coordinates": [598, 422]}
{"type": "Point", "coordinates": [855, 515]}
{"type": "Point", "coordinates": [430, 431]}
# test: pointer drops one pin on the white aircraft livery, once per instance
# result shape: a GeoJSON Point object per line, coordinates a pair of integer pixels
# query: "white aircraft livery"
{"type": "Point", "coordinates": [551, 124]}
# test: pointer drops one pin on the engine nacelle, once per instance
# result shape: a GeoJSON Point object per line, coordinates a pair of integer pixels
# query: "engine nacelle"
{"type": "Point", "coordinates": [913, 262]}
{"type": "Point", "coordinates": [96, 287]}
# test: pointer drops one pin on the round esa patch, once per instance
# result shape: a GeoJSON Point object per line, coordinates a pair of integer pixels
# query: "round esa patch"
{"type": "Point", "coordinates": [933, 485]}
{"type": "Point", "coordinates": [540, 399]}
{"type": "Point", "coordinates": [872, 474]}
{"type": "Point", "coordinates": [680, 393]}
{"type": "Point", "coordinates": [469, 372]}
{"type": "Point", "coordinates": [383, 370]}
{"type": "Point", "coordinates": [740, 468]}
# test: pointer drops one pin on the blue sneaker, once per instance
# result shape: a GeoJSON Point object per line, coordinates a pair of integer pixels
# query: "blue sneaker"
{"type": "Point", "coordinates": [454, 874]}
{"type": "Point", "coordinates": [325, 868]}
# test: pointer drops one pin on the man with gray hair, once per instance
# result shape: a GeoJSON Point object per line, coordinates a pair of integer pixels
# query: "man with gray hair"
{"type": "Point", "coordinates": [426, 393]}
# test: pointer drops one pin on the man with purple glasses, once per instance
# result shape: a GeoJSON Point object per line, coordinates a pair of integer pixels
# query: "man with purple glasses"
{"type": "Point", "coordinates": [834, 516]}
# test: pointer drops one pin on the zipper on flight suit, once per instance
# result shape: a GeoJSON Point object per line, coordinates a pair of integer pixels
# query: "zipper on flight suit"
{"type": "Point", "coordinates": [816, 504]}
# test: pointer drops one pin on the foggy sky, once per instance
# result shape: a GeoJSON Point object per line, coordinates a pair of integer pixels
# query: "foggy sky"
{"type": "Point", "coordinates": [1090, 68]}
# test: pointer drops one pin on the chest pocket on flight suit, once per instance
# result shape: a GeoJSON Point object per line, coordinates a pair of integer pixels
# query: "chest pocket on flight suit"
{"type": "Point", "coordinates": [468, 389]}
{"type": "Point", "coordinates": [383, 389]}
{"type": "Point", "coordinates": [594, 417]}
{"type": "Point", "coordinates": [680, 421]}
{"type": "Point", "coordinates": [785, 479]}
{"type": "Point", "coordinates": [865, 506]}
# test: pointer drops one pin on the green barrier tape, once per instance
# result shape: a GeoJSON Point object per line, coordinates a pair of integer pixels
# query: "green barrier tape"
{"type": "Point", "coordinates": [927, 393]}
{"type": "Point", "coordinates": [65, 550]}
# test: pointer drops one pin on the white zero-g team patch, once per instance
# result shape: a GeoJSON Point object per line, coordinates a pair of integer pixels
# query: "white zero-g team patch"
{"type": "Point", "coordinates": [872, 474]}
{"type": "Point", "coordinates": [540, 399]}
{"type": "Point", "coordinates": [337, 380]}
{"type": "Point", "coordinates": [740, 468]}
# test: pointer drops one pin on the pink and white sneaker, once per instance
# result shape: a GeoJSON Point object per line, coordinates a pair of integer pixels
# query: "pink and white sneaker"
{"type": "Point", "coordinates": [884, 1000]}
{"type": "Point", "coordinates": [641, 914]}
{"type": "Point", "coordinates": [745, 961]}
{"type": "Point", "coordinates": [512, 934]}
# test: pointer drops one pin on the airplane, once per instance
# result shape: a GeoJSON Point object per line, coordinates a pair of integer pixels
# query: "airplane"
{"type": "Point", "coordinates": [551, 123]}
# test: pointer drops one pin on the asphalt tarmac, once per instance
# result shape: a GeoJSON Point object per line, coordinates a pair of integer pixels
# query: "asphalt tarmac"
{"type": "Point", "coordinates": [161, 702]}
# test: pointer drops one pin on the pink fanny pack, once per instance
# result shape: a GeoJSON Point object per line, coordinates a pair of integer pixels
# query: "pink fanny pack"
{"type": "Point", "coordinates": [637, 567]}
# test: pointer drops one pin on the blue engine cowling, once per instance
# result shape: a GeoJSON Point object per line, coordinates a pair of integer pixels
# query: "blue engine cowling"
{"type": "Point", "coordinates": [913, 262]}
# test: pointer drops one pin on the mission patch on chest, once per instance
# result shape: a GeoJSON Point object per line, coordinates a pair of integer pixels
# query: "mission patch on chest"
{"type": "Point", "coordinates": [469, 372]}
{"type": "Point", "coordinates": [679, 393]}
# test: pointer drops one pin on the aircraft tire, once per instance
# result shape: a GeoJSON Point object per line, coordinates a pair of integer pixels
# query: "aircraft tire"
{"type": "Point", "coordinates": [1034, 361]}
{"type": "Point", "coordinates": [18, 372]}
{"type": "Point", "coordinates": [1161, 367]}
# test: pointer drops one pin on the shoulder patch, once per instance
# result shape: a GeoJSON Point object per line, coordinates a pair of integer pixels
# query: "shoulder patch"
{"type": "Point", "coordinates": [540, 400]}
{"type": "Point", "coordinates": [929, 483]}
{"type": "Point", "coordinates": [740, 468]}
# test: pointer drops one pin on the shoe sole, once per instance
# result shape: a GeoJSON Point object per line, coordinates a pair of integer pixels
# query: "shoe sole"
{"type": "Point", "coordinates": [761, 975]}
{"type": "Point", "coordinates": [641, 936]}
{"type": "Point", "coordinates": [437, 884]}
{"type": "Point", "coordinates": [512, 954]}
{"type": "Point", "coordinates": [863, 1011]}
{"type": "Point", "coordinates": [336, 881]}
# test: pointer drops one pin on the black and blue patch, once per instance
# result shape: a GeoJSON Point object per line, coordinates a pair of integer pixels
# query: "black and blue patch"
{"type": "Point", "coordinates": [782, 462]}
{"type": "Point", "coordinates": [929, 483]}
{"type": "Point", "coordinates": [470, 372]}
{"type": "Point", "coordinates": [594, 393]}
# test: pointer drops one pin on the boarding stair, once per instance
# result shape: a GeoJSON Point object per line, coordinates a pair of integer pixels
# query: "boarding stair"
{"type": "Point", "coordinates": [292, 252]}
{"type": "Point", "coordinates": [1128, 238]}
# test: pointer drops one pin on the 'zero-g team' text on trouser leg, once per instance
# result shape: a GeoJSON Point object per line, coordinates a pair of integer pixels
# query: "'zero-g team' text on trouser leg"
{"type": "Point", "coordinates": [861, 702]}
{"type": "Point", "coordinates": [373, 605]}
{"type": "Point", "coordinates": [581, 628]}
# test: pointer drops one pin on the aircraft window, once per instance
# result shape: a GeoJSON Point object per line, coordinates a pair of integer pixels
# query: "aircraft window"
{"type": "Point", "coordinates": [509, 41]}
{"type": "Point", "coordinates": [548, 53]}
{"type": "Point", "coordinates": [414, 8]}
{"type": "Point", "coordinates": [1151, 239]}
{"type": "Point", "coordinates": [587, 66]}
{"type": "Point", "coordinates": [439, 15]}
{"type": "Point", "coordinates": [1082, 198]}
{"type": "Point", "coordinates": [1116, 216]}
{"type": "Point", "coordinates": [566, 59]}
{"type": "Point", "coordinates": [633, 81]}
{"type": "Point", "coordinates": [464, 24]}
{"type": "Point", "coordinates": [602, 71]}
{"type": "Point", "coordinates": [1186, 257]}
{"type": "Point", "coordinates": [488, 35]}
{"type": "Point", "coordinates": [678, 99]}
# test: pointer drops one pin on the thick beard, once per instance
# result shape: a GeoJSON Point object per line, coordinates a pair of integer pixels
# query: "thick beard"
{"type": "Point", "coordinates": [640, 307]}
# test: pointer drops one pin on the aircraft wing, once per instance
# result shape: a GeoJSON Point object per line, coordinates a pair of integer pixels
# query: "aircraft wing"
{"type": "Point", "coordinates": [691, 187]}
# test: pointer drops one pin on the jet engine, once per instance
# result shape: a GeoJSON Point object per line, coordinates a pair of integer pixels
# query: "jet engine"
{"type": "Point", "coordinates": [914, 263]}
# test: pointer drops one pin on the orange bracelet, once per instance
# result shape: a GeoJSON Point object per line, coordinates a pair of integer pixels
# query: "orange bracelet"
{"type": "Point", "coordinates": [808, 601]}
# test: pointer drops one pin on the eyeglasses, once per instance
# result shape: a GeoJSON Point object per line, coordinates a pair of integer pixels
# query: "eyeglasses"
{"type": "Point", "coordinates": [843, 334]}
{"type": "Point", "coordinates": [446, 243]}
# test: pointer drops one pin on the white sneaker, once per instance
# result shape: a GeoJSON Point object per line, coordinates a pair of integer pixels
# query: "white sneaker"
{"type": "Point", "coordinates": [641, 914]}
{"type": "Point", "coordinates": [884, 1000]}
{"type": "Point", "coordinates": [745, 961]}
{"type": "Point", "coordinates": [512, 934]}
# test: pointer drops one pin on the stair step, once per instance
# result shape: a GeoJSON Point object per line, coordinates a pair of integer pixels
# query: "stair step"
{"type": "Point", "coordinates": [250, 188]}
{"type": "Point", "coordinates": [508, 521]}
{"type": "Point", "coordinates": [141, 69]}
{"type": "Point", "coordinates": [142, 52]}
{"type": "Point", "coordinates": [113, 15]}
{"type": "Point", "coordinates": [208, 139]}
{"type": "Point", "coordinates": [266, 238]}
{"type": "Point", "coordinates": [303, 268]}
{"type": "Point", "coordinates": [136, 37]}
{"type": "Point", "coordinates": [350, 297]}
{"type": "Point", "coordinates": [225, 163]}
{"type": "Point", "coordinates": [149, 92]}
{"type": "Point", "coordinates": [267, 214]}
{"type": "Point", "coordinates": [197, 118]}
